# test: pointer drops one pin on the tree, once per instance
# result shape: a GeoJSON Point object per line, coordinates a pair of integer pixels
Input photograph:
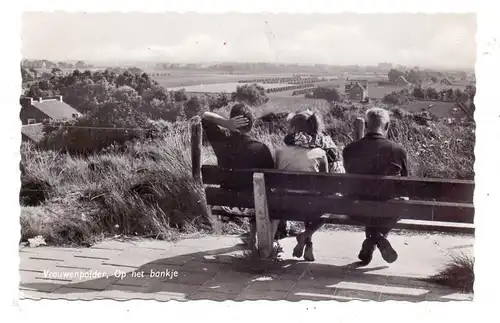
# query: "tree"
{"type": "Point", "coordinates": [394, 74]}
{"type": "Point", "coordinates": [180, 95]}
{"type": "Point", "coordinates": [27, 75]}
{"type": "Point", "coordinates": [418, 93]}
{"type": "Point", "coordinates": [252, 94]}
{"type": "Point", "coordinates": [221, 100]}
{"type": "Point", "coordinates": [449, 94]}
{"type": "Point", "coordinates": [434, 79]}
{"type": "Point", "coordinates": [459, 95]}
{"type": "Point", "coordinates": [326, 93]}
{"type": "Point", "coordinates": [56, 71]}
{"type": "Point", "coordinates": [431, 93]}
{"type": "Point", "coordinates": [413, 76]}
{"type": "Point", "coordinates": [135, 70]}
{"type": "Point", "coordinates": [80, 64]}
{"type": "Point", "coordinates": [398, 98]}
{"type": "Point", "coordinates": [471, 91]}
{"type": "Point", "coordinates": [194, 106]}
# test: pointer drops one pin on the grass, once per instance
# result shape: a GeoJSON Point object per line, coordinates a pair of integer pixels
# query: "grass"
{"type": "Point", "coordinates": [457, 274]}
{"type": "Point", "coordinates": [146, 189]}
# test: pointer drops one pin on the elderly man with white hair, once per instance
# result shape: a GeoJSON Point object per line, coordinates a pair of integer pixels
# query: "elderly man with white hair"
{"type": "Point", "coordinates": [374, 154]}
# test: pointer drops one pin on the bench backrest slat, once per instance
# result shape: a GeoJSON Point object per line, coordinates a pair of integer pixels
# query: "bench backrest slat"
{"type": "Point", "coordinates": [297, 205]}
{"type": "Point", "coordinates": [414, 188]}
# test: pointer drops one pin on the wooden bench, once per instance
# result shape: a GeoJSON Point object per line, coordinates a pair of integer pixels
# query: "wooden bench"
{"type": "Point", "coordinates": [434, 204]}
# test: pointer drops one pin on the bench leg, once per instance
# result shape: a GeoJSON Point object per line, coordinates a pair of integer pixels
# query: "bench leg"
{"type": "Point", "coordinates": [253, 234]}
{"type": "Point", "coordinates": [265, 233]}
{"type": "Point", "coordinates": [216, 221]}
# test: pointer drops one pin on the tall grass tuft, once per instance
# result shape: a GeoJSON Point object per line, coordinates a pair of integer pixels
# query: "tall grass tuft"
{"type": "Point", "coordinates": [457, 274]}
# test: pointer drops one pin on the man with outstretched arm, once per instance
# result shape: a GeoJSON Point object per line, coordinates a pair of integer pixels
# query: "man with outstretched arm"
{"type": "Point", "coordinates": [235, 149]}
{"type": "Point", "coordinates": [374, 154]}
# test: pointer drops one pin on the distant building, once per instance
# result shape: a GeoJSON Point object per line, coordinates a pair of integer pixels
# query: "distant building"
{"type": "Point", "coordinates": [357, 90]}
{"type": "Point", "coordinates": [402, 81]}
{"type": "Point", "coordinates": [45, 109]}
{"type": "Point", "coordinates": [446, 81]}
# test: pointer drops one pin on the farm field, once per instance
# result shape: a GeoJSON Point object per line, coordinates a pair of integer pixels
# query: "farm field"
{"type": "Point", "coordinates": [176, 79]}
{"type": "Point", "coordinates": [229, 87]}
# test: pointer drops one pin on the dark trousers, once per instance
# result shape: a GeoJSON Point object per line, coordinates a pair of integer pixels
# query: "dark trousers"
{"type": "Point", "coordinates": [378, 227]}
{"type": "Point", "coordinates": [375, 227]}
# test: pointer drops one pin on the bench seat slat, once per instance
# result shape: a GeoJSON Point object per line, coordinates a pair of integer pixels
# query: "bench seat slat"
{"type": "Point", "coordinates": [417, 225]}
{"type": "Point", "coordinates": [415, 188]}
{"type": "Point", "coordinates": [296, 204]}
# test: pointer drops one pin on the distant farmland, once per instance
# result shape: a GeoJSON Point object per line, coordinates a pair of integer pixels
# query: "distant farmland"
{"type": "Point", "coordinates": [175, 80]}
{"type": "Point", "coordinates": [229, 87]}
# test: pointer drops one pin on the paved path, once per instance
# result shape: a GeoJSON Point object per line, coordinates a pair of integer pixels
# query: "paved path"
{"type": "Point", "coordinates": [206, 268]}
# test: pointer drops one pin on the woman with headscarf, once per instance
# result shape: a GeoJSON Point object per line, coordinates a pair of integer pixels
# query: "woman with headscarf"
{"type": "Point", "coordinates": [308, 149]}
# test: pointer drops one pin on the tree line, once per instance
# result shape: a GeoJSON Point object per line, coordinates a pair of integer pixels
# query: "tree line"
{"type": "Point", "coordinates": [129, 100]}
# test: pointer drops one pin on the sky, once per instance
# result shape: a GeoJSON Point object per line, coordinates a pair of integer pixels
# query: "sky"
{"type": "Point", "coordinates": [437, 40]}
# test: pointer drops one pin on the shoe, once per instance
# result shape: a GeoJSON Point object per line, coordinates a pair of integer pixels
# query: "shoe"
{"type": "Point", "coordinates": [367, 249]}
{"type": "Point", "coordinates": [298, 251]}
{"type": "Point", "coordinates": [308, 251]}
{"type": "Point", "coordinates": [387, 251]}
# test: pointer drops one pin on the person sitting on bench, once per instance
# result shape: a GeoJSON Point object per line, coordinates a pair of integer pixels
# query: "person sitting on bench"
{"type": "Point", "coordinates": [236, 149]}
{"type": "Point", "coordinates": [306, 149]}
{"type": "Point", "coordinates": [374, 154]}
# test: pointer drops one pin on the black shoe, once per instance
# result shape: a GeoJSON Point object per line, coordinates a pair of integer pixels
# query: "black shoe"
{"type": "Point", "coordinates": [386, 250]}
{"type": "Point", "coordinates": [367, 249]}
{"type": "Point", "coordinates": [308, 251]}
{"type": "Point", "coordinates": [298, 251]}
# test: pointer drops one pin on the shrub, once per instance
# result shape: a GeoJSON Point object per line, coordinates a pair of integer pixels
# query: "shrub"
{"type": "Point", "coordinates": [273, 122]}
{"type": "Point", "coordinates": [398, 98]}
{"type": "Point", "coordinates": [219, 101]}
{"type": "Point", "coordinates": [180, 95]}
{"type": "Point", "coordinates": [325, 93]}
{"type": "Point", "coordinates": [252, 94]}
{"type": "Point", "coordinates": [112, 124]}
{"type": "Point", "coordinates": [418, 93]}
{"type": "Point", "coordinates": [195, 106]}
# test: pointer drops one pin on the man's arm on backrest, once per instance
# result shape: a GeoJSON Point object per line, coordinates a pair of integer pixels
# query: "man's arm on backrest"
{"type": "Point", "coordinates": [323, 164]}
{"type": "Point", "coordinates": [404, 163]}
{"type": "Point", "coordinates": [267, 157]}
{"type": "Point", "coordinates": [210, 122]}
{"type": "Point", "coordinates": [346, 158]}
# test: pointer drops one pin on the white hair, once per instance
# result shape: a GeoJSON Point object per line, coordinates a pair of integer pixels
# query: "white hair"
{"type": "Point", "coordinates": [376, 118]}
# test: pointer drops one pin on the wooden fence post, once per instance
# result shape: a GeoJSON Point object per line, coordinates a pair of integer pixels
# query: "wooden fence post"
{"type": "Point", "coordinates": [196, 146]}
{"type": "Point", "coordinates": [266, 228]}
{"type": "Point", "coordinates": [196, 134]}
{"type": "Point", "coordinates": [359, 128]}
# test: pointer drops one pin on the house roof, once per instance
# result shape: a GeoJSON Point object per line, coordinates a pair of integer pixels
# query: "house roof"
{"type": "Point", "coordinates": [56, 109]}
{"type": "Point", "coordinates": [33, 132]}
{"type": "Point", "coordinates": [358, 85]}
{"type": "Point", "coordinates": [402, 78]}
